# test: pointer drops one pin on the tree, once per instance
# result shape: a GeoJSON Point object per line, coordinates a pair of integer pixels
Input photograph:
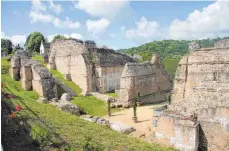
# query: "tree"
{"type": "Point", "coordinates": [34, 41]}
{"type": "Point", "coordinates": [58, 37]}
{"type": "Point", "coordinates": [6, 45]}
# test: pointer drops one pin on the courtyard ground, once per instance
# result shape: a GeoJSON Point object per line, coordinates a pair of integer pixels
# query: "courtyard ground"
{"type": "Point", "coordinates": [143, 126]}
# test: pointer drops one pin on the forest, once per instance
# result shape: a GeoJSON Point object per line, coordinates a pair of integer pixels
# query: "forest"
{"type": "Point", "coordinates": [167, 49]}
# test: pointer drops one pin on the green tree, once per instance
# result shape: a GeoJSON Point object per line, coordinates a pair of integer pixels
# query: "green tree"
{"type": "Point", "coordinates": [58, 37]}
{"type": "Point", "coordinates": [6, 45]}
{"type": "Point", "coordinates": [34, 41]}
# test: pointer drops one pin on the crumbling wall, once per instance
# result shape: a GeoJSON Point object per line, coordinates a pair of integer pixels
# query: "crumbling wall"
{"type": "Point", "coordinates": [201, 91]}
{"type": "Point", "coordinates": [42, 82]}
{"type": "Point", "coordinates": [147, 78]}
{"type": "Point", "coordinates": [222, 44]}
{"type": "Point", "coordinates": [108, 78]}
{"type": "Point", "coordinates": [171, 128]}
{"type": "Point", "coordinates": [33, 75]}
{"type": "Point", "coordinates": [201, 81]}
{"type": "Point", "coordinates": [214, 129]}
{"type": "Point", "coordinates": [71, 58]}
{"type": "Point", "coordinates": [93, 69]}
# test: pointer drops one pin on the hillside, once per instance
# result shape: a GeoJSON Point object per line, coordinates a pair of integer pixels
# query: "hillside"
{"type": "Point", "coordinates": [172, 49]}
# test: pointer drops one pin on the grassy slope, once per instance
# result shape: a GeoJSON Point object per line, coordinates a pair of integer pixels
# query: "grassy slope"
{"type": "Point", "coordinates": [73, 130]}
{"type": "Point", "coordinates": [89, 104]}
{"type": "Point", "coordinates": [170, 65]}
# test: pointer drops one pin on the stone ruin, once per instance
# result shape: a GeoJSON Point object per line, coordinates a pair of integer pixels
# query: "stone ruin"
{"type": "Point", "coordinates": [103, 70]}
{"type": "Point", "coordinates": [198, 117]}
{"type": "Point", "coordinates": [147, 78]}
{"type": "Point", "coordinates": [34, 76]}
{"type": "Point", "coordinates": [193, 46]}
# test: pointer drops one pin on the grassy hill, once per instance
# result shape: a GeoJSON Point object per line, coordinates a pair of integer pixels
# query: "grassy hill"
{"type": "Point", "coordinates": [171, 49]}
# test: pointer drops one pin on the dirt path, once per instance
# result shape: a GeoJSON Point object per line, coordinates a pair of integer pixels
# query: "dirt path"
{"type": "Point", "coordinates": [143, 126]}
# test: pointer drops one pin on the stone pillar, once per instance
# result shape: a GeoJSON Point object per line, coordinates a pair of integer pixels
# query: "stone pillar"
{"type": "Point", "coordinates": [15, 73]}
{"type": "Point", "coordinates": [26, 77]}
{"type": "Point", "coordinates": [15, 68]}
{"type": "Point", "coordinates": [186, 135]}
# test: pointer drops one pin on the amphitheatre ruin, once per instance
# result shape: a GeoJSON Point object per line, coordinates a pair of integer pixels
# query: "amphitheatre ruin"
{"type": "Point", "coordinates": [196, 117]}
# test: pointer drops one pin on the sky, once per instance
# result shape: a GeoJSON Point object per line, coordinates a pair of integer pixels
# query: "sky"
{"type": "Point", "coordinates": [115, 24]}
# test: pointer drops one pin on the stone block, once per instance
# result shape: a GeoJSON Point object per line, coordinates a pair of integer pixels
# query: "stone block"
{"type": "Point", "coordinates": [27, 85]}
{"type": "Point", "coordinates": [15, 73]}
{"type": "Point", "coordinates": [119, 127]}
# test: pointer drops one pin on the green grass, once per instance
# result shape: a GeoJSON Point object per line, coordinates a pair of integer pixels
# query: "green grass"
{"type": "Point", "coordinates": [115, 95]}
{"type": "Point", "coordinates": [40, 59]}
{"type": "Point", "coordinates": [70, 84]}
{"type": "Point", "coordinates": [70, 128]}
{"type": "Point", "coordinates": [5, 65]}
{"type": "Point", "coordinates": [171, 65]}
{"type": "Point", "coordinates": [91, 105]}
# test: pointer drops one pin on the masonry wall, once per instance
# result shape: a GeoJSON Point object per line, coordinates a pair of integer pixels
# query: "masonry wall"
{"type": "Point", "coordinates": [108, 78]}
{"type": "Point", "coordinates": [72, 60]}
{"type": "Point", "coordinates": [173, 129]}
{"type": "Point", "coordinates": [147, 78]}
{"type": "Point", "coordinates": [214, 129]}
{"type": "Point", "coordinates": [201, 81]}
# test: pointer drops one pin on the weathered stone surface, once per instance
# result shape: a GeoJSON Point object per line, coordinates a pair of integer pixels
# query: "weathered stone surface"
{"type": "Point", "coordinates": [71, 108]}
{"type": "Point", "coordinates": [201, 92]}
{"type": "Point", "coordinates": [65, 97]}
{"type": "Point", "coordinates": [201, 81]}
{"type": "Point", "coordinates": [102, 121]}
{"type": "Point", "coordinates": [193, 46]}
{"type": "Point", "coordinates": [121, 127]}
{"type": "Point", "coordinates": [93, 69]}
{"type": "Point", "coordinates": [222, 44]}
{"type": "Point", "coordinates": [147, 78]}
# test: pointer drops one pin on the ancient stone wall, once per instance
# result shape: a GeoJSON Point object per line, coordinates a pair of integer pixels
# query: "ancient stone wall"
{"type": "Point", "coordinates": [201, 92]}
{"type": "Point", "coordinates": [173, 129]}
{"type": "Point", "coordinates": [108, 78]}
{"type": "Point", "coordinates": [201, 81]}
{"type": "Point", "coordinates": [93, 69]}
{"type": "Point", "coordinates": [33, 75]}
{"type": "Point", "coordinates": [147, 78]}
{"type": "Point", "coordinates": [72, 59]}
{"type": "Point", "coordinates": [222, 44]}
{"type": "Point", "coordinates": [214, 128]}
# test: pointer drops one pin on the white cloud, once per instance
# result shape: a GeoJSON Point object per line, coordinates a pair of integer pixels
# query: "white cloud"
{"type": "Point", "coordinates": [102, 8]}
{"type": "Point", "coordinates": [97, 26]}
{"type": "Point", "coordinates": [72, 35]}
{"type": "Point", "coordinates": [145, 30]}
{"type": "Point", "coordinates": [40, 17]}
{"type": "Point", "coordinates": [38, 6]}
{"type": "Point", "coordinates": [15, 39]}
{"type": "Point", "coordinates": [210, 22]}
{"type": "Point", "coordinates": [55, 8]}
{"type": "Point", "coordinates": [18, 39]}
{"type": "Point", "coordinates": [39, 14]}
{"type": "Point", "coordinates": [67, 23]}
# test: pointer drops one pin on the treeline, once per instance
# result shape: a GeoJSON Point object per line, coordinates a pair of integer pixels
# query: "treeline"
{"type": "Point", "coordinates": [170, 49]}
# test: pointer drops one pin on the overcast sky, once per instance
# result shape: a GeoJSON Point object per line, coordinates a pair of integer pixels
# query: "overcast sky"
{"type": "Point", "coordinates": [116, 24]}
